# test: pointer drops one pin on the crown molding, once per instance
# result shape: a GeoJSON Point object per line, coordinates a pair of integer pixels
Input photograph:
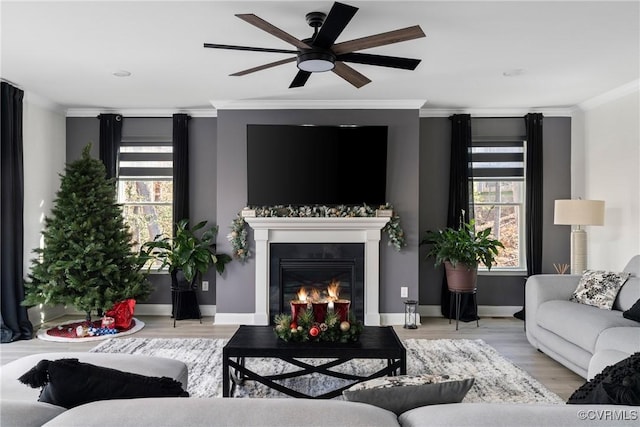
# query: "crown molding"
{"type": "Point", "coordinates": [319, 104]}
{"type": "Point", "coordinates": [140, 112]}
{"type": "Point", "coordinates": [496, 112]}
{"type": "Point", "coordinates": [612, 95]}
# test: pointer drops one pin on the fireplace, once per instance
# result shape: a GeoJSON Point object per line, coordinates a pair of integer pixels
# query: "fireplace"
{"type": "Point", "coordinates": [316, 267]}
{"type": "Point", "coordinates": [363, 230]}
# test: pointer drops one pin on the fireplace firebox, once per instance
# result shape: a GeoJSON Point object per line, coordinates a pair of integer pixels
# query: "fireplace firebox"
{"type": "Point", "coordinates": [316, 267]}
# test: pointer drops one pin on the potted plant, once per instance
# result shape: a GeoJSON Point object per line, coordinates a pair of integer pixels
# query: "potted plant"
{"type": "Point", "coordinates": [461, 250]}
{"type": "Point", "coordinates": [186, 253]}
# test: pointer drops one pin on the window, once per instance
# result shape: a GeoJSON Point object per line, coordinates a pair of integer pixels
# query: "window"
{"type": "Point", "coordinates": [499, 194]}
{"type": "Point", "coordinates": [145, 188]}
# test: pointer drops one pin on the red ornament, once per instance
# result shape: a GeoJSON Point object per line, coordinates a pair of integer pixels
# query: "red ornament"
{"type": "Point", "coordinates": [293, 325]}
{"type": "Point", "coordinates": [314, 331]}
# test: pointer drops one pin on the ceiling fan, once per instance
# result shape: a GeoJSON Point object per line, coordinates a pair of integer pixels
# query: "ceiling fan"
{"type": "Point", "coordinates": [320, 53]}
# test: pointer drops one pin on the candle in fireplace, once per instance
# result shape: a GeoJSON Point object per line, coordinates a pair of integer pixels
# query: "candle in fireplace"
{"type": "Point", "coordinates": [341, 308]}
{"type": "Point", "coordinates": [297, 307]}
{"type": "Point", "coordinates": [319, 310]}
{"type": "Point", "coordinates": [300, 305]}
{"type": "Point", "coordinates": [333, 290]}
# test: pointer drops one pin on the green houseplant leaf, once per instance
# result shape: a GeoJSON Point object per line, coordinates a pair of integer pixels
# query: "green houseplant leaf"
{"type": "Point", "coordinates": [463, 245]}
{"type": "Point", "coordinates": [187, 252]}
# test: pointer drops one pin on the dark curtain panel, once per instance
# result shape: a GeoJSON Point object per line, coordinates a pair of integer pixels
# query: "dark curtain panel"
{"type": "Point", "coordinates": [460, 182]}
{"type": "Point", "coordinates": [180, 167]}
{"type": "Point", "coordinates": [110, 137]}
{"type": "Point", "coordinates": [14, 319]}
{"type": "Point", "coordinates": [533, 197]}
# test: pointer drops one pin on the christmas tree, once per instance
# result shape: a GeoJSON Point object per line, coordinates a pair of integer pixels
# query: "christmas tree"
{"type": "Point", "coordinates": [87, 260]}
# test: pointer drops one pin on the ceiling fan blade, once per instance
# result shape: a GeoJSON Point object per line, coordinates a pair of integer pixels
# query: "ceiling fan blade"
{"type": "Point", "coordinates": [338, 18]}
{"type": "Point", "coordinates": [263, 67]}
{"type": "Point", "coordinates": [380, 60]}
{"type": "Point", "coordinates": [272, 29]}
{"type": "Point", "coordinates": [350, 75]}
{"type": "Point", "coordinates": [381, 39]}
{"type": "Point", "coordinates": [300, 79]}
{"type": "Point", "coordinates": [253, 49]}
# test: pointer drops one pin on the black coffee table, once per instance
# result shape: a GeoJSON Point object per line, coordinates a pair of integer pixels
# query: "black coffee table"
{"type": "Point", "coordinates": [261, 341]}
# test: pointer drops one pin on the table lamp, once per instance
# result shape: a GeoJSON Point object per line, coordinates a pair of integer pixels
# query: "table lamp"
{"type": "Point", "coordinates": [578, 213]}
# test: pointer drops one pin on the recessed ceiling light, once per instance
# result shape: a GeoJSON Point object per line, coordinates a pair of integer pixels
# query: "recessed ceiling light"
{"type": "Point", "coordinates": [122, 73]}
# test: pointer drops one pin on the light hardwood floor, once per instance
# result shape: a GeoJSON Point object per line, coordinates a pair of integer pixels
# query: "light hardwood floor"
{"type": "Point", "coordinates": [505, 334]}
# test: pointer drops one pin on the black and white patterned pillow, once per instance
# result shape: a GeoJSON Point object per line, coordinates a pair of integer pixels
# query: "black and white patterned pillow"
{"type": "Point", "coordinates": [599, 288]}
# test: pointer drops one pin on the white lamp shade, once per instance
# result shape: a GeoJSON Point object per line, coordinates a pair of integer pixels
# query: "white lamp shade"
{"type": "Point", "coordinates": [579, 212]}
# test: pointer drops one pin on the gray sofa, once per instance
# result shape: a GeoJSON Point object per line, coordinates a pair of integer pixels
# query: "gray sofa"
{"type": "Point", "coordinates": [583, 338]}
{"type": "Point", "coordinates": [19, 406]}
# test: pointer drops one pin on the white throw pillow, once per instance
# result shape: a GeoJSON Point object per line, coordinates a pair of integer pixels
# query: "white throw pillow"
{"type": "Point", "coordinates": [599, 288]}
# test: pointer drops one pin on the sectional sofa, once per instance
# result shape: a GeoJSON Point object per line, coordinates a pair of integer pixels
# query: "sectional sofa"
{"type": "Point", "coordinates": [585, 339]}
{"type": "Point", "coordinates": [19, 406]}
{"type": "Point", "coordinates": [582, 337]}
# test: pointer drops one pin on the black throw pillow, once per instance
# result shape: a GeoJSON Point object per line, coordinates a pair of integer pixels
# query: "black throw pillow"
{"type": "Point", "coordinates": [69, 383]}
{"type": "Point", "coordinates": [634, 312]}
{"type": "Point", "coordinates": [617, 384]}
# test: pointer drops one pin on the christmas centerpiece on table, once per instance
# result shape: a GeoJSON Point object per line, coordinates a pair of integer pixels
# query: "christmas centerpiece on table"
{"type": "Point", "coordinates": [319, 318]}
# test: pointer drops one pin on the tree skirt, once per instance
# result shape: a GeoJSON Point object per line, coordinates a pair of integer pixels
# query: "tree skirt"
{"type": "Point", "coordinates": [496, 378]}
{"type": "Point", "coordinates": [67, 332]}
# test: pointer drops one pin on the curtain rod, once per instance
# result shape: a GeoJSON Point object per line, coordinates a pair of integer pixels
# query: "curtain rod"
{"type": "Point", "coordinates": [145, 117]}
{"type": "Point", "coordinates": [500, 117]}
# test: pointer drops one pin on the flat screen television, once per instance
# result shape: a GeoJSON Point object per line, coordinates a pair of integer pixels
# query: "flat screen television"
{"type": "Point", "coordinates": [316, 165]}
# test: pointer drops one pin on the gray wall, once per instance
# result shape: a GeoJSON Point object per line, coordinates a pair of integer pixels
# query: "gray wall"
{"type": "Point", "coordinates": [235, 292]}
{"type": "Point", "coordinates": [435, 137]}
{"type": "Point", "coordinates": [202, 176]}
{"type": "Point", "coordinates": [417, 186]}
{"type": "Point", "coordinates": [80, 132]}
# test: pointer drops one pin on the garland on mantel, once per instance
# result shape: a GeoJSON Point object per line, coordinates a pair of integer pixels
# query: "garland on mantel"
{"type": "Point", "coordinates": [238, 234]}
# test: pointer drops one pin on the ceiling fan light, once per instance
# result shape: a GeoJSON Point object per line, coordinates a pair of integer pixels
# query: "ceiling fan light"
{"type": "Point", "coordinates": [316, 62]}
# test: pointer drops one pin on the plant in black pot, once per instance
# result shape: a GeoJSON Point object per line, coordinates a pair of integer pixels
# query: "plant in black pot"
{"type": "Point", "coordinates": [461, 250]}
{"type": "Point", "coordinates": [186, 255]}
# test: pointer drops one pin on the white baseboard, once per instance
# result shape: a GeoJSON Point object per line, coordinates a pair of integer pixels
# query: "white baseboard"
{"type": "Point", "coordinates": [155, 310]}
{"type": "Point", "coordinates": [387, 319]}
{"type": "Point", "coordinates": [394, 319]}
{"type": "Point", "coordinates": [39, 314]}
{"type": "Point", "coordinates": [165, 309]}
{"type": "Point", "coordinates": [483, 310]}
{"type": "Point", "coordinates": [234, 319]}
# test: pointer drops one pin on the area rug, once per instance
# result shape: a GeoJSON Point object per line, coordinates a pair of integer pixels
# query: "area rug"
{"type": "Point", "coordinates": [496, 378]}
{"type": "Point", "coordinates": [67, 332]}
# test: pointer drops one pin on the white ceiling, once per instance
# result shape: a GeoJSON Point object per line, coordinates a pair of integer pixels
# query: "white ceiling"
{"type": "Point", "coordinates": [561, 53]}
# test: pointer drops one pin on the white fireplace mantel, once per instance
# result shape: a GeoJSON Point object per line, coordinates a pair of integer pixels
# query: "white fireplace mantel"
{"type": "Point", "coordinates": [318, 230]}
